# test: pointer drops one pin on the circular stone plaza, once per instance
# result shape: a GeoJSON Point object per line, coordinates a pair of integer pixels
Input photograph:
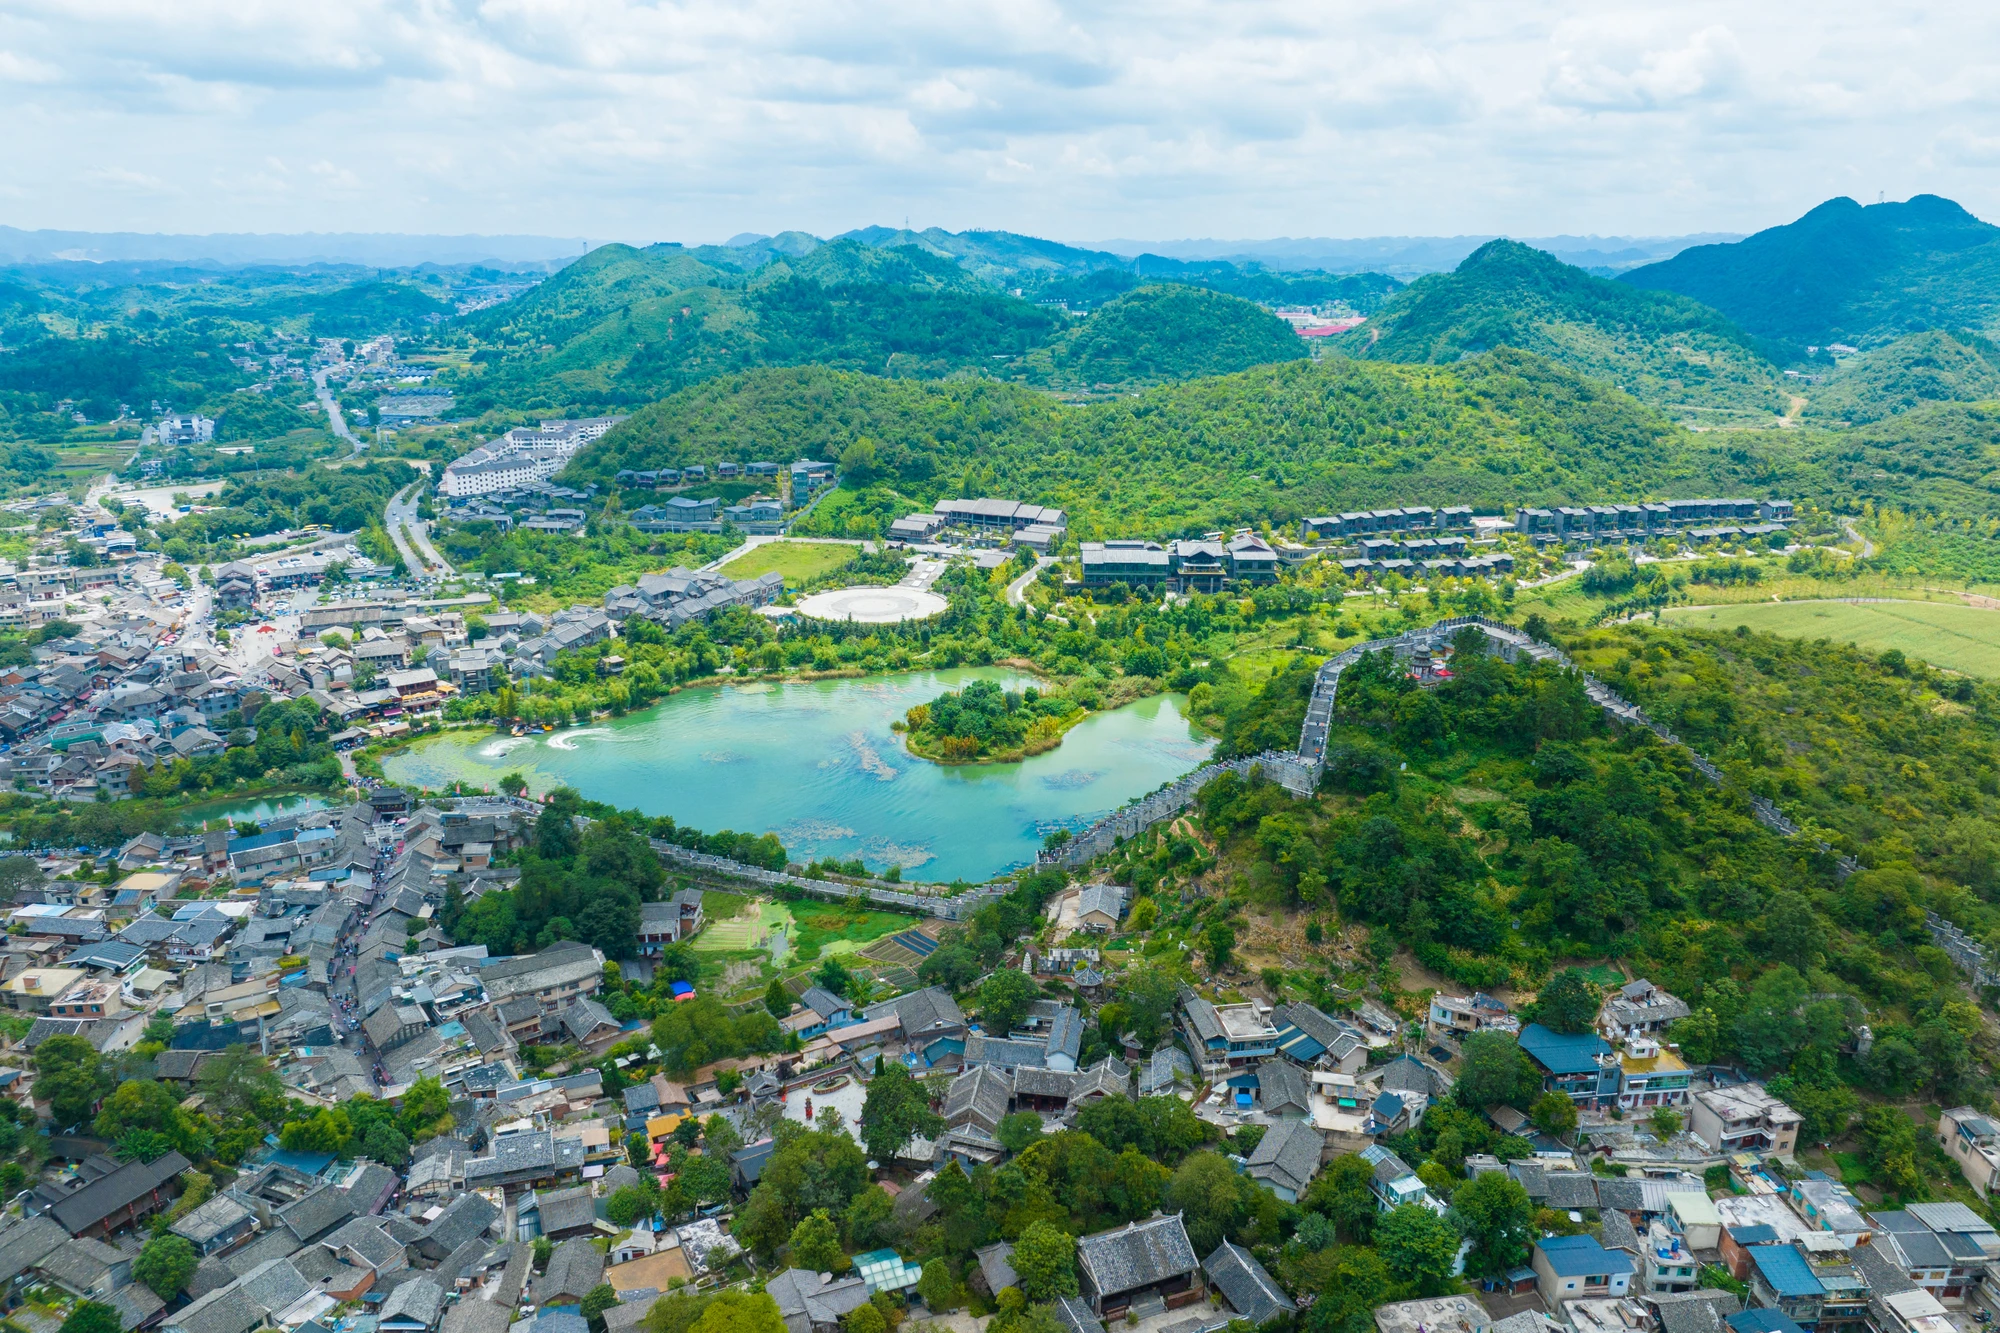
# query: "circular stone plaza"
{"type": "Point", "coordinates": [872, 606]}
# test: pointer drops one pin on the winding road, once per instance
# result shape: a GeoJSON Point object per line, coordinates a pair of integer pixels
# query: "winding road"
{"type": "Point", "coordinates": [336, 421]}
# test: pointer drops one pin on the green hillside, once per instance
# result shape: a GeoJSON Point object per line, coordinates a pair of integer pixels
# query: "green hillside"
{"type": "Point", "coordinates": [1845, 273]}
{"type": "Point", "coordinates": [1278, 442]}
{"type": "Point", "coordinates": [1674, 353]}
{"type": "Point", "coordinates": [1915, 369]}
{"type": "Point", "coordinates": [1166, 332]}
{"type": "Point", "coordinates": [1939, 457]}
{"type": "Point", "coordinates": [622, 326]}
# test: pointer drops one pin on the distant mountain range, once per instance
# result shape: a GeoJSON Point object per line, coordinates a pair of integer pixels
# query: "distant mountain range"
{"type": "Point", "coordinates": [1412, 256]}
{"type": "Point", "coordinates": [230, 250]}
{"type": "Point", "coordinates": [1848, 273]}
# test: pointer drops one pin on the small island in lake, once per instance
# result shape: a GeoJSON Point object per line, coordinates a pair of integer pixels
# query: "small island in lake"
{"type": "Point", "coordinates": [983, 724]}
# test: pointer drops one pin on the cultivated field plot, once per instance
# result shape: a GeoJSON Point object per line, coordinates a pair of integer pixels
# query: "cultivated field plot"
{"type": "Point", "coordinates": [905, 949]}
{"type": "Point", "coordinates": [744, 931]}
{"type": "Point", "coordinates": [1955, 636]}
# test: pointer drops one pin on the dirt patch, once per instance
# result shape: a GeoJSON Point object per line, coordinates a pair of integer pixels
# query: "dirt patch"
{"type": "Point", "coordinates": [738, 975]}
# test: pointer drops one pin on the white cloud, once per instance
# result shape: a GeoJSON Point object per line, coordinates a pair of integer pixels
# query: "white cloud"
{"type": "Point", "coordinates": [691, 119]}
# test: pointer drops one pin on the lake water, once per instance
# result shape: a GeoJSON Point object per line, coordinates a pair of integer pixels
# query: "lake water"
{"type": "Point", "coordinates": [816, 763]}
{"type": "Point", "coordinates": [254, 810]}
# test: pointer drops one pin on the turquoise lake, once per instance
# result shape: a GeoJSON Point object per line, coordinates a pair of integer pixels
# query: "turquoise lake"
{"type": "Point", "coordinates": [816, 763]}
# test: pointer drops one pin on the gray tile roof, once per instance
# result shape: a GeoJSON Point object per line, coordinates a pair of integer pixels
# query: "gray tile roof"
{"type": "Point", "coordinates": [564, 1210]}
{"type": "Point", "coordinates": [1571, 1189]}
{"type": "Point", "coordinates": [921, 1011]}
{"type": "Point", "coordinates": [127, 1185]}
{"type": "Point", "coordinates": [1693, 1311]}
{"type": "Point", "coordinates": [995, 1264]}
{"type": "Point", "coordinates": [1628, 1195]}
{"type": "Point", "coordinates": [573, 1270]}
{"type": "Point", "coordinates": [474, 1316]}
{"type": "Point", "coordinates": [1288, 1155]}
{"type": "Point", "coordinates": [1281, 1088]}
{"type": "Point", "coordinates": [82, 1264]}
{"type": "Point", "coordinates": [804, 1299]}
{"type": "Point", "coordinates": [412, 1304]}
{"type": "Point", "coordinates": [275, 1285]}
{"type": "Point", "coordinates": [1616, 1232]}
{"type": "Point", "coordinates": [228, 1310]}
{"type": "Point", "coordinates": [276, 1243]}
{"type": "Point", "coordinates": [25, 1243]}
{"type": "Point", "coordinates": [1136, 1255]}
{"type": "Point", "coordinates": [465, 1218]}
{"type": "Point", "coordinates": [317, 1213]}
{"type": "Point", "coordinates": [1075, 1315]}
{"type": "Point", "coordinates": [980, 1098]}
{"type": "Point", "coordinates": [1250, 1291]}
{"type": "Point", "coordinates": [135, 1303]}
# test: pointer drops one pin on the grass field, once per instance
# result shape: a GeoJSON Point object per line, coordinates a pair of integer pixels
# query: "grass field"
{"type": "Point", "coordinates": [797, 561]}
{"type": "Point", "coordinates": [1952, 635]}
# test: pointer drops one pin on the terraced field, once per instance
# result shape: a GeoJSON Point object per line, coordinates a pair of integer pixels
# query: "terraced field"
{"type": "Point", "coordinates": [1946, 634]}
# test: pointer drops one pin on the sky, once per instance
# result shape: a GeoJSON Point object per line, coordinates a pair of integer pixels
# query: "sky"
{"type": "Point", "coordinates": [1078, 121]}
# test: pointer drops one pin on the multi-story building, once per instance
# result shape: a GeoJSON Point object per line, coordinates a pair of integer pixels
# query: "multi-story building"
{"type": "Point", "coordinates": [1581, 1065]}
{"type": "Point", "coordinates": [1744, 1118]}
{"type": "Point", "coordinates": [1226, 1038]}
{"type": "Point", "coordinates": [1462, 1015]}
{"type": "Point", "coordinates": [521, 456]}
{"type": "Point", "coordinates": [1576, 1268]}
{"type": "Point", "coordinates": [1666, 1263]}
{"type": "Point", "coordinates": [1972, 1139]}
{"type": "Point", "coordinates": [1639, 1009]}
{"type": "Point", "coordinates": [1651, 1076]}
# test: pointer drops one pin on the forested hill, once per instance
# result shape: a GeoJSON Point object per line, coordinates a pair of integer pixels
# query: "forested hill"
{"type": "Point", "coordinates": [1915, 369]}
{"type": "Point", "coordinates": [1676, 354]}
{"type": "Point", "coordinates": [1845, 273]}
{"type": "Point", "coordinates": [623, 326]}
{"type": "Point", "coordinates": [1279, 442]}
{"type": "Point", "coordinates": [1166, 332]}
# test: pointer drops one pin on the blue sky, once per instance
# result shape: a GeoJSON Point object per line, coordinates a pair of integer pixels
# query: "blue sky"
{"type": "Point", "coordinates": [1156, 120]}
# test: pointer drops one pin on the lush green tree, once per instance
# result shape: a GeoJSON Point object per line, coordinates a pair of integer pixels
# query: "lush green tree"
{"type": "Point", "coordinates": [240, 1082]}
{"type": "Point", "coordinates": [1492, 1071]}
{"type": "Point", "coordinates": [1496, 1214]}
{"type": "Point", "coordinates": [1666, 1122]}
{"type": "Point", "coordinates": [897, 1109]}
{"type": "Point", "coordinates": [148, 1106]}
{"type": "Point", "coordinates": [426, 1109]}
{"type": "Point", "coordinates": [166, 1264]}
{"type": "Point", "coordinates": [864, 1319]}
{"type": "Point", "coordinates": [386, 1144]}
{"type": "Point", "coordinates": [834, 977]}
{"type": "Point", "coordinates": [739, 1312]}
{"type": "Point", "coordinates": [816, 1244]}
{"type": "Point", "coordinates": [1350, 1281]}
{"type": "Point", "coordinates": [1419, 1248]}
{"type": "Point", "coordinates": [870, 1218]}
{"type": "Point", "coordinates": [595, 1302]}
{"type": "Point", "coordinates": [1568, 1004]}
{"type": "Point", "coordinates": [1889, 1145]}
{"type": "Point", "coordinates": [939, 1289]}
{"type": "Point", "coordinates": [1045, 1260]}
{"type": "Point", "coordinates": [1018, 1130]}
{"type": "Point", "coordinates": [1218, 944]}
{"type": "Point", "coordinates": [1343, 1193]}
{"type": "Point", "coordinates": [91, 1317]}
{"type": "Point", "coordinates": [70, 1076]}
{"type": "Point", "coordinates": [326, 1130]}
{"type": "Point", "coordinates": [1004, 998]}
{"type": "Point", "coordinates": [1554, 1113]}
{"type": "Point", "coordinates": [1792, 930]}
{"type": "Point", "coordinates": [629, 1203]}
{"type": "Point", "coordinates": [1214, 1200]}
{"type": "Point", "coordinates": [777, 999]}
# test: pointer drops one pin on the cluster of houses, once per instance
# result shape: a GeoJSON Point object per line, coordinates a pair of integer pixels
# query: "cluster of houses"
{"type": "Point", "coordinates": [97, 712]}
{"type": "Point", "coordinates": [1641, 521]}
{"type": "Point", "coordinates": [680, 595]}
{"type": "Point", "coordinates": [1202, 565]}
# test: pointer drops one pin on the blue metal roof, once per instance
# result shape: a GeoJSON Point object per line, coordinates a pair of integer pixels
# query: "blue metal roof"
{"type": "Point", "coordinates": [1762, 1320]}
{"type": "Point", "coordinates": [1760, 1234]}
{"type": "Point", "coordinates": [1582, 1256]}
{"type": "Point", "coordinates": [1785, 1270]}
{"type": "Point", "coordinates": [1561, 1054]}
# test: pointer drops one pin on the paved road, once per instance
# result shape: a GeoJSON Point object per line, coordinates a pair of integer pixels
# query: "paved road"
{"type": "Point", "coordinates": [1017, 591]}
{"type": "Point", "coordinates": [400, 516]}
{"type": "Point", "coordinates": [1867, 547]}
{"type": "Point", "coordinates": [335, 420]}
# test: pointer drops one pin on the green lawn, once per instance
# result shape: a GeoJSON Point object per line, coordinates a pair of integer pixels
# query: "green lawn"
{"type": "Point", "coordinates": [1946, 634]}
{"type": "Point", "coordinates": [797, 561]}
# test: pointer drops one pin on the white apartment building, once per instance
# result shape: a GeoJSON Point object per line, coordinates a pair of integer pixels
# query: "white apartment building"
{"type": "Point", "coordinates": [521, 456]}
